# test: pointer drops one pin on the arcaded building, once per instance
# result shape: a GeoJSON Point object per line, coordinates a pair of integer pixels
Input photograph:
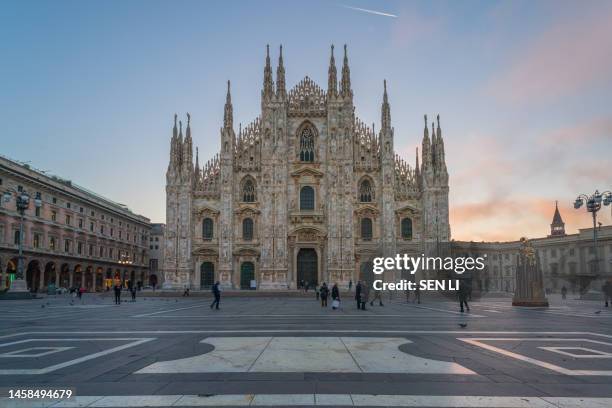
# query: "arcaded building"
{"type": "Point", "coordinates": [76, 238]}
{"type": "Point", "coordinates": [305, 193]}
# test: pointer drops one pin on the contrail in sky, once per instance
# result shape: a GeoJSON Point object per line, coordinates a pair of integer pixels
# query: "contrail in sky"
{"type": "Point", "coordinates": [378, 13]}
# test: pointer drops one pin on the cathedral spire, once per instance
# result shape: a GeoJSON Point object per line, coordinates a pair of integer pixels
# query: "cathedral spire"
{"type": "Point", "coordinates": [557, 228]}
{"type": "Point", "coordinates": [197, 163]}
{"type": "Point", "coordinates": [174, 148]}
{"type": "Point", "coordinates": [345, 89]}
{"type": "Point", "coordinates": [188, 130]}
{"type": "Point", "coordinates": [385, 110]}
{"type": "Point", "coordinates": [417, 168]}
{"type": "Point", "coordinates": [280, 77]}
{"type": "Point", "coordinates": [228, 113]}
{"type": "Point", "coordinates": [332, 75]}
{"type": "Point", "coordinates": [425, 148]}
{"type": "Point", "coordinates": [268, 85]}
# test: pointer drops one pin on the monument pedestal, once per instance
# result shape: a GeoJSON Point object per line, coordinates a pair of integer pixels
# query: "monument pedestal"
{"type": "Point", "coordinates": [18, 290]}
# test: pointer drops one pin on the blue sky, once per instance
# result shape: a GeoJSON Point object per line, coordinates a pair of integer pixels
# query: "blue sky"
{"type": "Point", "coordinates": [88, 91]}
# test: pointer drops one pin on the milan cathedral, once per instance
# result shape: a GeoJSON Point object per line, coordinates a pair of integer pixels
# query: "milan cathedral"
{"type": "Point", "coordinates": [306, 193]}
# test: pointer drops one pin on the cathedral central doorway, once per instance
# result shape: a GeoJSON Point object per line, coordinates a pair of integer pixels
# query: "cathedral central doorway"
{"type": "Point", "coordinates": [207, 275]}
{"type": "Point", "coordinates": [247, 274]}
{"type": "Point", "coordinates": [307, 267]}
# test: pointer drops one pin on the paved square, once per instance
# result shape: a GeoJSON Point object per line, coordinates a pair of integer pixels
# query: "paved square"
{"type": "Point", "coordinates": [290, 351]}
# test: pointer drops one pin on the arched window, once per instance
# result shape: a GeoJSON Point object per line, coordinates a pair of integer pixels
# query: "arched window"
{"type": "Point", "coordinates": [247, 229]}
{"type": "Point", "coordinates": [248, 191]}
{"type": "Point", "coordinates": [16, 238]}
{"type": "Point", "coordinates": [307, 198]}
{"type": "Point", "coordinates": [307, 145]}
{"type": "Point", "coordinates": [406, 228]}
{"type": "Point", "coordinates": [366, 193]}
{"type": "Point", "coordinates": [207, 229]}
{"type": "Point", "coordinates": [366, 229]}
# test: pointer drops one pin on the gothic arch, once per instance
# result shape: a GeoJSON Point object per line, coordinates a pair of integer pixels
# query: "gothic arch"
{"type": "Point", "coordinates": [248, 189]}
{"type": "Point", "coordinates": [366, 190]}
{"type": "Point", "coordinates": [307, 136]}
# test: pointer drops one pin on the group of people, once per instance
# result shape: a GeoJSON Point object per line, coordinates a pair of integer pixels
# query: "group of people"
{"type": "Point", "coordinates": [323, 293]}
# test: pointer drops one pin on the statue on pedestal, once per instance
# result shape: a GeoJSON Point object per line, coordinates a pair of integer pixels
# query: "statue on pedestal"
{"type": "Point", "coordinates": [529, 283]}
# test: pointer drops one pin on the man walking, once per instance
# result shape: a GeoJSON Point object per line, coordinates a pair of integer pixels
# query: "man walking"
{"type": "Point", "coordinates": [365, 294]}
{"type": "Point", "coordinates": [324, 292]}
{"type": "Point", "coordinates": [464, 291]}
{"type": "Point", "coordinates": [377, 296]}
{"type": "Point", "coordinates": [350, 285]}
{"type": "Point", "coordinates": [607, 292]}
{"type": "Point", "coordinates": [217, 294]}
{"type": "Point", "coordinates": [358, 294]}
{"type": "Point", "coordinates": [117, 289]}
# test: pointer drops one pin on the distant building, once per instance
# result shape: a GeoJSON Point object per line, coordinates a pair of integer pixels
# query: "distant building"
{"type": "Point", "coordinates": [156, 254]}
{"type": "Point", "coordinates": [569, 260]}
{"type": "Point", "coordinates": [76, 238]}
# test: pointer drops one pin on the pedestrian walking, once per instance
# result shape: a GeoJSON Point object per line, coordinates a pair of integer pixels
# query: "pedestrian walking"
{"type": "Point", "coordinates": [80, 292]}
{"type": "Point", "coordinates": [417, 293]}
{"type": "Point", "coordinates": [563, 292]}
{"type": "Point", "coordinates": [377, 296]}
{"type": "Point", "coordinates": [117, 289]}
{"type": "Point", "coordinates": [317, 293]}
{"type": "Point", "coordinates": [133, 291]}
{"type": "Point", "coordinates": [217, 294]}
{"type": "Point", "coordinates": [358, 294]}
{"type": "Point", "coordinates": [186, 291]}
{"type": "Point", "coordinates": [464, 292]}
{"type": "Point", "coordinates": [350, 285]}
{"type": "Point", "coordinates": [607, 292]}
{"type": "Point", "coordinates": [324, 293]}
{"type": "Point", "coordinates": [365, 294]}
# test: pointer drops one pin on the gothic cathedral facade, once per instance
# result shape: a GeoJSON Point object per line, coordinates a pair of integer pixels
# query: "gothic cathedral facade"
{"type": "Point", "coordinates": [306, 193]}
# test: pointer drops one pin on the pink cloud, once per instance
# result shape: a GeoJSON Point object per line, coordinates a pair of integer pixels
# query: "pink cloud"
{"type": "Point", "coordinates": [572, 54]}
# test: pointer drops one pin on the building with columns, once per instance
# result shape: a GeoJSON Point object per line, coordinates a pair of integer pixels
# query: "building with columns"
{"type": "Point", "coordinates": [75, 239]}
{"type": "Point", "coordinates": [575, 261]}
{"type": "Point", "coordinates": [305, 193]}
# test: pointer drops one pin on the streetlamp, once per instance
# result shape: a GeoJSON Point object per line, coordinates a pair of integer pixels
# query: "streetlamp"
{"type": "Point", "coordinates": [593, 205]}
{"type": "Point", "coordinates": [22, 198]}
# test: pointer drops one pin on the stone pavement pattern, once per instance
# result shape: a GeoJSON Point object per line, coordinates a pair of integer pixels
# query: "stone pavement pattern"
{"type": "Point", "coordinates": [291, 352]}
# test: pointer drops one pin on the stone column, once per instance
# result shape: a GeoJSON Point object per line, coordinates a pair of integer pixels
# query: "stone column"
{"type": "Point", "coordinates": [41, 279]}
{"type": "Point", "coordinates": [57, 276]}
{"type": "Point", "coordinates": [71, 273]}
{"type": "Point", "coordinates": [93, 280]}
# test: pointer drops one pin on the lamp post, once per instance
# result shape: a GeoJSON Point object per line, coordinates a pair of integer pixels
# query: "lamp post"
{"type": "Point", "coordinates": [593, 205]}
{"type": "Point", "coordinates": [22, 200]}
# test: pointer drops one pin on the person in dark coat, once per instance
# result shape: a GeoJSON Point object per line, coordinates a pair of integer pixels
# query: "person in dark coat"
{"type": "Point", "coordinates": [217, 294]}
{"type": "Point", "coordinates": [607, 292]}
{"type": "Point", "coordinates": [464, 291]}
{"type": "Point", "coordinates": [365, 294]}
{"type": "Point", "coordinates": [358, 288]}
{"type": "Point", "coordinates": [563, 292]}
{"type": "Point", "coordinates": [133, 290]}
{"type": "Point", "coordinates": [335, 293]}
{"type": "Point", "coordinates": [117, 289]}
{"type": "Point", "coordinates": [350, 285]}
{"type": "Point", "coordinates": [324, 293]}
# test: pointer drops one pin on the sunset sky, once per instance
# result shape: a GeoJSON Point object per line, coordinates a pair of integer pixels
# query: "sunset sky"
{"type": "Point", "coordinates": [88, 91]}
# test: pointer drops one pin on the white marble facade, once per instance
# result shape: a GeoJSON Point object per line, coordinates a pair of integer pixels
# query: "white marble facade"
{"type": "Point", "coordinates": [306, 192]}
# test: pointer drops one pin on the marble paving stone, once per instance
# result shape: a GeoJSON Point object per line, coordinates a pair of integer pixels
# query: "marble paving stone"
{"type": "Point", "coordinates": [231, 354]}
{"type": "Point", "coordinates": [382, 355]}
{"type": "Point", "coordinates": [334, 400]}
{"type": "Point", "coordinates": [283, 399]}
{"type": "Point", "coordinates": [305, 354]}
{"type": "Point", "coordinates": [136, 401]}
{"type": "Point", "coordinates": [214, 400]}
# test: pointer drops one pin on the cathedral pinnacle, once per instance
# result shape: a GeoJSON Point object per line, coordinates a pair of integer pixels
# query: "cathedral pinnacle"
{"type": "Point", "coordinates": [345, 89]}
{"type": "Point", "coordinates": [280, 76]}
{"type": "Point", "coordinates": [385, 110]}
{"type": "Point", "coordinates": [188, 130]}
{"type": "Point", "coordinates": [228, 114]}
{"type": "Point", "coordinates": [332, 79]}
{"type": "Point", "coordinates": [268, 86]}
